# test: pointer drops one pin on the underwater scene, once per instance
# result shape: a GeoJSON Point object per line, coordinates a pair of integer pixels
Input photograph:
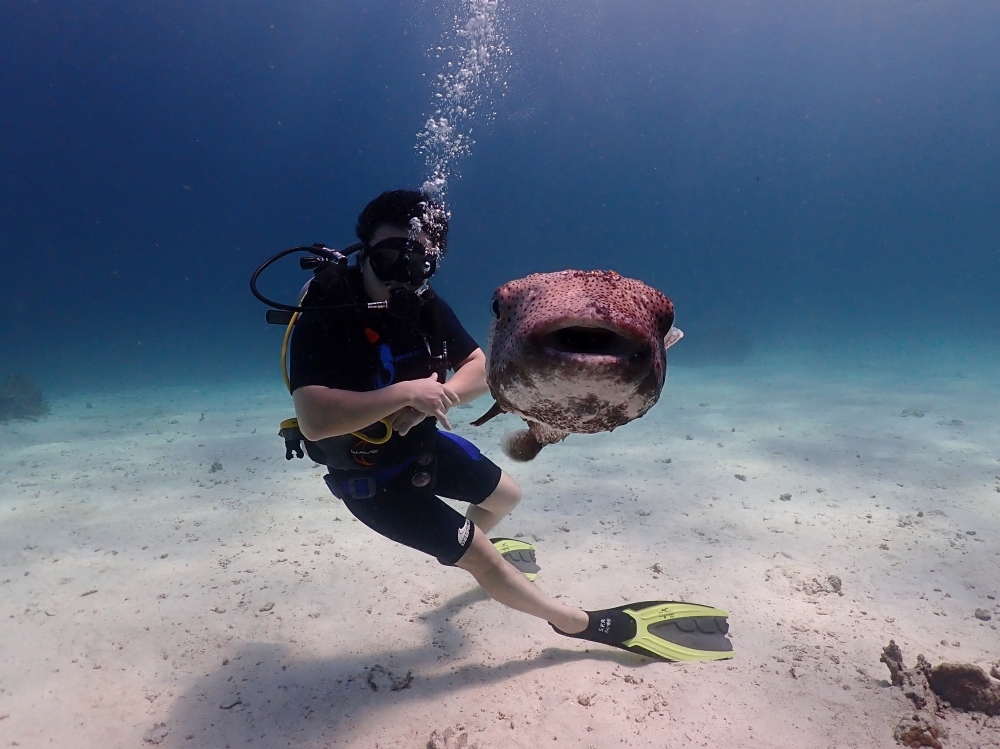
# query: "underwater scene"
{"type": "Point", "coordinates": [467, 374]}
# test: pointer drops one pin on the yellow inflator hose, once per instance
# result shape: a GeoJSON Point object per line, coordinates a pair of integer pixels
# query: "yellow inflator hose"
{"type": "Point", "coordinates": [288, 384]}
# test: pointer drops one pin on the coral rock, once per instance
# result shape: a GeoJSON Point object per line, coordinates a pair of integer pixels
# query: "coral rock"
{"type": "Point", "coordinates": [20, 398]}
{"type": "Point", "coordinates": [966, 686]}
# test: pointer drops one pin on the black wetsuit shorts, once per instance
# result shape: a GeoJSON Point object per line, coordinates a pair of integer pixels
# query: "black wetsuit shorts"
{"type": "Point", "coordinates": [417, 517]}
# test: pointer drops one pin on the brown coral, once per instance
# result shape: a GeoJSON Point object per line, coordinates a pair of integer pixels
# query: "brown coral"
{"type": "Point", "coordinates": [966, 686]}
{"type": "Point", "coordinates": [920, 728]}
{"type": "Point", "coordinates": [961, 685]}
{"type": "Point", "coordinates": [916, 732]}
{"type": "Point", "coordinates": [912, 680]}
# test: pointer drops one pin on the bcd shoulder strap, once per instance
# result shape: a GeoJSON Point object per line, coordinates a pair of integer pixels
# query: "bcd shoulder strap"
{"type": "Point", "coordinates": [436, 337]}
{"type": "Point", "coordinates": [331, 285]}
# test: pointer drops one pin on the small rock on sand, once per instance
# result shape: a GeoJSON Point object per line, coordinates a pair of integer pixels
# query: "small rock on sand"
{"type": "Point", "coordinates": [156, 734]}
{"type": "Point", "coordinates": [984, 615]}
{"type": "Point", "coordinates": [450, 739]}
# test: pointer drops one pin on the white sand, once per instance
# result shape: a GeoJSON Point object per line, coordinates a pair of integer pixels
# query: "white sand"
{"type": "Point", "coordinates": [139, 588]}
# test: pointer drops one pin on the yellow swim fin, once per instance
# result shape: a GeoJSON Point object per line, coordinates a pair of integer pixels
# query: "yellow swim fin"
{"type": "Point", "coordinates": [519, 553]}
{"type": "Point", "coordinates": [665, 630]}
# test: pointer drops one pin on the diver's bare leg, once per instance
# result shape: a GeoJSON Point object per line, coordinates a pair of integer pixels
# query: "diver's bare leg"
{"type": "Point", "coordinates": [492, 510]}
{"type": "Point", "coordinates": [506, 584]}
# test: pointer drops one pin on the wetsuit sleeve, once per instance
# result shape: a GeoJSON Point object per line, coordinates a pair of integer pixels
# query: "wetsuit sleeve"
{"type": "Point", "coordinates": [460, 343]}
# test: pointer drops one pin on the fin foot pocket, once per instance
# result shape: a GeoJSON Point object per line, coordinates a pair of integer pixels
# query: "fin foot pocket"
{"type": "Point", "coordinates": [521, 554]}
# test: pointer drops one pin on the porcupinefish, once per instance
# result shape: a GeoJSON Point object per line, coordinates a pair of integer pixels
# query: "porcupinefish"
{"type": "Point", "coordinates": [575, 352]}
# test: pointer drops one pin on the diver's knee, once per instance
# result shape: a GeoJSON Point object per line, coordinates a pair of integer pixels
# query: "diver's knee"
{"type": "Point", "coordinates": [504, 498]}
{"type": "Point", "coordinates": [513, 488]}
{"type": "Point", "coordinates": [481, 557]}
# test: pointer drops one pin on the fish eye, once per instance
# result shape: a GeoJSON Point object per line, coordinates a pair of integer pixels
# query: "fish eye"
{"type": "Point", "coordinates": [496, 308]}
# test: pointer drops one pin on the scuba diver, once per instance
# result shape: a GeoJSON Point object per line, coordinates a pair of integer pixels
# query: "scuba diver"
{"type": "Point", "coordinates": [369, 350]}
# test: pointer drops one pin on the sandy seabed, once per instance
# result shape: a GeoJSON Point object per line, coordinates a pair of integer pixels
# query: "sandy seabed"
{"type": "Point", "coordinates": [146, 599]}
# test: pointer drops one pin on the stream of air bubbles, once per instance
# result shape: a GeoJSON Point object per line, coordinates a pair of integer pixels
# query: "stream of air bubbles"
{"type": "Point", "coordinates": [473, 60]}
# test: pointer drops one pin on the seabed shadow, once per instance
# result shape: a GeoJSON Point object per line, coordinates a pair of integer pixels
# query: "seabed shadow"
{"type": "Point", "coordinates": [267, 697]}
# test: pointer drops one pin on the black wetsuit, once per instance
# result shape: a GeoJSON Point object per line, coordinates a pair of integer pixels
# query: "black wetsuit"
{"type": "Point", "coordinates": [391, 488]}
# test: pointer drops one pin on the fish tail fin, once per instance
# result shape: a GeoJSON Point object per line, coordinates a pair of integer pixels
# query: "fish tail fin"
{"type": "Point", "coordinates": [520, 445]}
{"type": "Point", "coordinates": [525, 444]}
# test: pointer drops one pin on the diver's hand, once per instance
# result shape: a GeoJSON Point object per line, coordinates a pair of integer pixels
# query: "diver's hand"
{"type": "Point", "coordinates": [405, 419]}
{"type": "Point", "coordinates": [432, 398]}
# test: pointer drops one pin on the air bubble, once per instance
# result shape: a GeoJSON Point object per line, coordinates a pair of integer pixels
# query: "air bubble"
{"type": "Point", "coordinates": [479, 62]}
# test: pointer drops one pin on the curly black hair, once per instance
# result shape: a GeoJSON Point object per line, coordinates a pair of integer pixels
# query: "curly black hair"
{"type": "Point", "coordinates": [396, 208]}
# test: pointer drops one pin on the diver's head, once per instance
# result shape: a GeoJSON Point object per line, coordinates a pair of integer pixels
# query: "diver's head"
{"type": "Point", "coordinates": [404, 234]}
{"type": "Point", "coordinates": [396, 260]}
{"type": "Point", "coordinates": [399, 209]}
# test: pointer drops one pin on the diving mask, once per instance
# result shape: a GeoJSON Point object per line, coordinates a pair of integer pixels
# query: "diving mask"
{"type": "Point", "coordinates": [401, 259]}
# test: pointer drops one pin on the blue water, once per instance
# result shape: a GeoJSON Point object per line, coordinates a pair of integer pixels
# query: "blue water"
{"type": "Point", "coordinates": [792, 175]}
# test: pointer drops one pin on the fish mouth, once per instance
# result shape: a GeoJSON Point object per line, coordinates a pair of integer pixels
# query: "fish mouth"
{"type": "Point", "coordinates": [577, 338]}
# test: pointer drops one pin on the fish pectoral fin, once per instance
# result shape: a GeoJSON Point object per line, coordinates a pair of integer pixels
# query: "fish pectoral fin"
{"type": "Point", "coordinates": [673, 335]}
{"type": "Point", "coordinates": [495, 410]}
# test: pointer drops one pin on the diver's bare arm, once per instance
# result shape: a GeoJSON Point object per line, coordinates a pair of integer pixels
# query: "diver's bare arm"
{"type": "Point", "coordinates": [469, 380]}
{"type": "Point", "coordinates": [327, 412]}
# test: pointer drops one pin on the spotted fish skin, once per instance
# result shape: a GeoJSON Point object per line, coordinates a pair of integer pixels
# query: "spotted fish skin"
{"type": "Point", "coordinates": [576, 352]}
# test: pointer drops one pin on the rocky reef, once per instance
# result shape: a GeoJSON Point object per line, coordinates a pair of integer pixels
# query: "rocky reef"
{"type": "Point", "coordinates": [935, 690]}
{"type": "Point", "coordinates": [20, 398]}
